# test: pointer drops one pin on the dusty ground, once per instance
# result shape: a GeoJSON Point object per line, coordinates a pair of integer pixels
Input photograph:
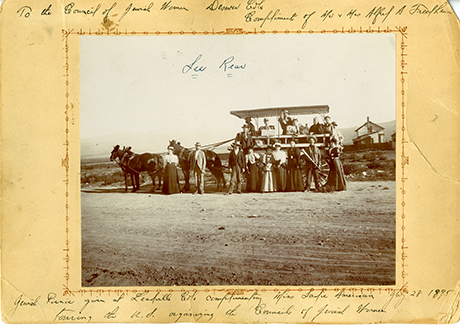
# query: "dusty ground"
{"type": "Point", "coordinates": [340, 238]}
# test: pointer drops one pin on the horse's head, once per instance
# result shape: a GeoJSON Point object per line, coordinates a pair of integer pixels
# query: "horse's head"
{"type": "Point", "coordinates": [114, 154]}
{"type": "Point", "coordinates": [176, 145]}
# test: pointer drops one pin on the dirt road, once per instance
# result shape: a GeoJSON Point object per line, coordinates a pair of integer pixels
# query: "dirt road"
{"type": "Point", "coordinates": [340, 238]}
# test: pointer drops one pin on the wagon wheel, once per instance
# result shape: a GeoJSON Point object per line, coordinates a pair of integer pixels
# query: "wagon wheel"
{"type": "Point", "coordinates": [323, 172]}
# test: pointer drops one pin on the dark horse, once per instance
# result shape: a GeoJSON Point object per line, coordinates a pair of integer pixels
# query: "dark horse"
{"type": "Point", "coordinates": [146, 162]}
{"type": "Point", "coordinates": [213, 163]}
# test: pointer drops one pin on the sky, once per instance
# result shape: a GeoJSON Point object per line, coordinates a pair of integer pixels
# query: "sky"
{"type": "Point", "coordinates": [149, 84]}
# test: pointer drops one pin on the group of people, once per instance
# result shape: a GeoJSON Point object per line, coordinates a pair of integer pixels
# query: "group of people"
{"type": "Point", "coordinates": [274, 171]}
{"type": "Point", "coordinates": [281, 171]}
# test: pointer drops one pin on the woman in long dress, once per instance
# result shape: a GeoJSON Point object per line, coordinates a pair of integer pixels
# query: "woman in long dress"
{"type": "Point", "coordinates": [252, 160]}
{"type": "Point", "coordinates": [336, 178]}
{"type": "Point", "coordinates": [171, 177]}
{"type": "Point", "coordinates": [280, 168]}
{"type": "Point", "coordinates": [295, 180]}
{"type": "Point", "coordinates": [268, 178]}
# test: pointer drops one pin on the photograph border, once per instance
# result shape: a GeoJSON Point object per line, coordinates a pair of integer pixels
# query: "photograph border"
{"type": "Point", "coordinates": [400, 98]}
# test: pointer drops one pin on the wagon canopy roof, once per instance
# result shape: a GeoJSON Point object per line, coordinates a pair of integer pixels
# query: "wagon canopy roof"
{"type": "Point", "coordinates": [275, 111]}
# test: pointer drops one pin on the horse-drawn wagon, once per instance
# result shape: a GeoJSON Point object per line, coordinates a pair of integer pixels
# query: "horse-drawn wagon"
{"type": "Point", "coordinates": [267, 135]}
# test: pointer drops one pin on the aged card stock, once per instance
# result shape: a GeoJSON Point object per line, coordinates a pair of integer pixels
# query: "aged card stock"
{"type": "Point", "coordinates": [81, 81]}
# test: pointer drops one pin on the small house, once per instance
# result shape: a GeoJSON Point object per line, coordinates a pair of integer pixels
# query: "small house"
{"type": "Point", "coordinates": [369, 133]}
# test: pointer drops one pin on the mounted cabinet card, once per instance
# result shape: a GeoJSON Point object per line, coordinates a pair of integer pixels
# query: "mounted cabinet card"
{"type": "Point", "coordinates": [253, 161]}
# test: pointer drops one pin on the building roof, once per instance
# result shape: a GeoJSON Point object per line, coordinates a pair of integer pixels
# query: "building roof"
{"type": "Point", "coordinates": [374, 124]}
{"type": "Point", "coordinates": [276, 111]}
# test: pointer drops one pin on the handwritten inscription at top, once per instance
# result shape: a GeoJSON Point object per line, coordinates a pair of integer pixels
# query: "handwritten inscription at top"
{"type": "Point", "coordinates": [260, 12]}
{"type": "Point", "coordinates": [216, 5]}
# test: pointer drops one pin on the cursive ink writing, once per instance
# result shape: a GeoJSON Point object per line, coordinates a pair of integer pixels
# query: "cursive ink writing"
{"type": "Point", "coordinates": [342, 294]}
{"type": "Point", "coordinates": [142, 297]}
{"type": "Point", "coordinates": [130, 8]}
{"type": "Point", "coordinates": [325, 310]}
{"type": "Point", "coordinates": [196, 316]}
{"type": "Point", "coordinates": [309, 295]}
{"type": "Point", "coordinates": [167, 6]}
{"type": "Point", "coordinates": [24, 11]}
{"type": "Point", "coordinates": [215, 5]}
{"type": "Point", "coordinates": [261, 309]}
{"type": "Point", "coordinates": [64, 316]}
{"type": "Point", "coordinates": [270, 17]}
{"type": "Point", "coordinates": [89, 301]}
{"type": "Point", "coordinates": [306, 17]}
{"type": "Point", "coordinates": [254, 4]}
{"type": "Point", "coordinates": [423, 10]}
{"type": "Point", "coordinates": [282, 295]}
{"type": "Point", "coordinates": [69, 9]}
{"type": "Point", "coordinates": [21, 302]}
{"type": "Point", "coordinates": [112, 314]}
{"type": "Point", "coordinates": [51, 299]}
{"type": "Point", "coordinates": [228, 65]}
{"type": "Point", "coordinates": [377, 12]}
{"type": "Point", "coordinates": [233, 296]}
{"type": "Point", "coordinates": [193, 66]}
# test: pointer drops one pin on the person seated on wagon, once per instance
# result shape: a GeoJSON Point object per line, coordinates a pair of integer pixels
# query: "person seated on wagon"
{"type": "Point", "coordinates": [304, 129]}
{"type": "Point", "coordinates": [245, 139]}
{"type": "Point", "coordinates": [252, 128]}
{"type": "Point", "coordinates": [266, 128]}
{"type": "Point", "coordinates": [285, 121]}
{"type": "Point", "coordinates": [328, 128]}
{"type": "Point", "coordinates": [317, 127]}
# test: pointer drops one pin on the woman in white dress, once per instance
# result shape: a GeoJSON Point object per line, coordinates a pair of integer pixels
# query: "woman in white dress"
{"type": "Point", "coordinates": [268, 178]}
{"type": "Point", "coordinates": [171, 177]}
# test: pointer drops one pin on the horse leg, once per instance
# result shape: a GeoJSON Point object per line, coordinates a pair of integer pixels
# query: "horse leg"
{"type": "Point", "coordinates": [152, 177]}
{"type": "Point", "coordinates": [126, 181]}
{"type": "Point", "coordinates": [187, 181]}
{"type": "Point", "coordinates": [136, 178]}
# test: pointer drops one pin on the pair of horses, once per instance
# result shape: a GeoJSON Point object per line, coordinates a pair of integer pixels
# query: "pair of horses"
{"type": "Point", "coordinates": [153, 165]}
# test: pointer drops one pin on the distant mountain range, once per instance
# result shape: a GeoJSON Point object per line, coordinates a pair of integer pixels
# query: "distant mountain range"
{"type": "Point", "coordinates": [101, 146]}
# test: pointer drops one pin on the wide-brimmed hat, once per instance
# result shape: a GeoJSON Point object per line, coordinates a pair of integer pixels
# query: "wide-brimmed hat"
{"type": "Point", "coordinates": [277, 144]}
{"type": "Point", "coordinates": [312, 137]}
{"type": "Point", "coordinates": [334, 123]}
{"type": "Point", "coordinates": [170, 147]}
{"type": "Point", "coordinates": [198, 144]}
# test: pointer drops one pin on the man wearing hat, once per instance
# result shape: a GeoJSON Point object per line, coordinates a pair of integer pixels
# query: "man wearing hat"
{"type": "Point", "coordinates": [252, 128]}
{"type": "Point", "coordinates": [313, 164]}
{"type": "Point", "coordinates": [236, 163]}
{"type": "Point", "coordinates": [245, 139]}
{"type": "Point", "coordinates": [336, 134]}
{"type": "Point", "coordinates": [197, 166]}
{"type": "Point", "coordinates": [266, 126]}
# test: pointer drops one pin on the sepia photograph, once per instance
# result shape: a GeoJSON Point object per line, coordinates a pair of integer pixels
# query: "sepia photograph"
{"type": "Point", "coordinates": [248, 160]}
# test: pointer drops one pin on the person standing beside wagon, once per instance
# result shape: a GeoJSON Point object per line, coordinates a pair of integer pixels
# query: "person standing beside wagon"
{"type": "Point", "coordinates": [197, 166]}
{"type": "Point", "coordinates": [280, 167]}
{"type": "Point", "coordinates": [313, 164]}
{"type": "Point", "coordinates": [171, 177]}
{"type": "Point", "coordinates": [252, 170]}
{"type": "Point", "coordinates": [295, 180]}
{"type": "Point", "coordinates": [237, 163]}
{"type": "Point", "coordinates": [268, 179]}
